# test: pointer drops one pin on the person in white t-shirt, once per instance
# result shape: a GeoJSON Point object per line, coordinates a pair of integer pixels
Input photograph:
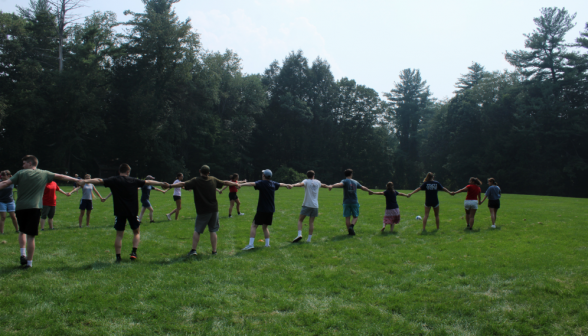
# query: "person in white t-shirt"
{"type": "Point", "coordinates": [309, 205]}
{"type": "Point", "coordinates": [177, 197]}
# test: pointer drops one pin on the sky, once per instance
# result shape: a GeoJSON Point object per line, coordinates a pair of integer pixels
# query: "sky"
{"type": "Point", "coordinates": [369, 41]}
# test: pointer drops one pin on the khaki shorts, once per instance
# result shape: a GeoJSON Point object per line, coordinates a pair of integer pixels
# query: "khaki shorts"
{"type": "Point", "coordinates": [210, 220]}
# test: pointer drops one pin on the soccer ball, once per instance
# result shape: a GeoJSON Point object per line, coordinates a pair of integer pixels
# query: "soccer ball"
{"type": "Point", "coordinates": [419, 217]}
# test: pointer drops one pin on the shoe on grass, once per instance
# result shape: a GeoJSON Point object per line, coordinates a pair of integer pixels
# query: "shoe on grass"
{"type": "Point", "coordinates": [25, 266]}
{"type": "Point", "coordinates": [192, 252]}
{"type": "Point", "coordinates": [241, 214]}
{"type": "Point", "coordinates": [248, 247]}
{"type": "Point", "coordinates": [230, 216]}
{"type": "Point", "coordinates": [297, 239]}
{"type": "Point", "coordinates": [168, 217]}
{"type": "Point", "coordinates": [133, 256]}
{"type": "Point", "coordinates": [23, 260]}
{"type": "Point", "coordinates": [493, 226]}
{"type": "Point", "coordinates": [214, 252]}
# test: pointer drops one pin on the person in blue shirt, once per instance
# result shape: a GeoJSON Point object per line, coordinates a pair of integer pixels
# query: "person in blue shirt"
{"type": "Point", "coordinates": [431, 187]}
{"type": "Point", "coordinates": [145, 203]}
{"type": "Point", "coordinates": [350, 203]}
{"type": "Point", "coordinates": [265, 206]}
{"type": "Point", "coordinates": [493, 194]}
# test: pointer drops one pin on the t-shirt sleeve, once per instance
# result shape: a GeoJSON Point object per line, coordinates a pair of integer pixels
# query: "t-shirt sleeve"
{"type": "Point", "coordinates": [256, 184]}
{"type": "Point", "coordinates": [189, 185]}
{"type": "Point", "coordinates": [15, 178]}
{"type": "Point", "coordinates": [139, 183]}
{"type": "Point", "coordinates": [358, 184]}
{"type": "Point", "coordinates": [49, 176]}
{"type": "Point", "coordinates": [424, 186]}
{"type": "Point", "coordinates": [107, 182]}
{"type": "Point", "coordinates": [276, 185]}
{"type": "Point", "coordinates": [219, 183]}
{"type": "Point", "coordinates": [57, 188]}
{"type": "Point", "coordinates": [440, 186]}
{"type": "Point", "coordinates": [396, 192]}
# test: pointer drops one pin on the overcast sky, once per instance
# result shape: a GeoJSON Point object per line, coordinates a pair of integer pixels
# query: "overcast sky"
{"type": "Point", "coordinates": [370, 41]}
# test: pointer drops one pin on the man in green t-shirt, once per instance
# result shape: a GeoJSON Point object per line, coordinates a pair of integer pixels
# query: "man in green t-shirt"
{"type": "Point", "coordinates": [206, 204]}
{"type": "Point", "coordinates": [31, 184]}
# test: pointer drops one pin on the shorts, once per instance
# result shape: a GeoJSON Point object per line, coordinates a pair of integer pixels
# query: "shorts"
{"type": "Point", "coordinates": [263, 218]}
{"type": "Point", "coordinates": [233, 196]}
{"type": "Point", "coordinates": [28, 221]}
{"type": "Point", "coordinates": [310, 212]}
{"type": "Point", "coordinates": [121, 221]}
{"type": "Point", "coordinates": [86, 204]}
{"type": "Point", "coordinates": [145, 203]}
{"type": "Point", "coordinates": [494, 204]}
{"type": "Point", "coordinates": [48, 211]}
{"type": "Point", "coordinates": [7, 207]}
{"type": "Point", "coordinates": [470, 204]}
{"type": "Point", "coordinates": [210, 220]}
{"type": "Point", "coordinates": [351, 210]}
{"type": "Point", "coordinates": [431, 206]}
{"type": "Point", "coordinates": [392, 216]}
{"type": "Point", "coordinates": [177, 198]}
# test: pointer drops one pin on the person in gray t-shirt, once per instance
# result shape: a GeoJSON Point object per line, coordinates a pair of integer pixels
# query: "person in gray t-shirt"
{"type": "Point", "coordinates": [86, 201]}
{"type": "Point", "coordinates": [493, 194]}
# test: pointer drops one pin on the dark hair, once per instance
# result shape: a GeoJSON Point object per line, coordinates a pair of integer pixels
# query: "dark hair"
{"type": "Point", "coordinates": [430, 176]}
{"type": "Point", "coordinates": [179, 174]}
{"type": "Point", "coordinates": [348, 172]}
{"type": "Point", "coordinates": [493, 181]}
{"type": "Point", "coordinates": [124, 168]}
{"type": "Point", "coordinates": [390, 186]}
{"type": "Point", "coordinates": [310, 174]}
{"type": "Point", "coordinates": [235, 176]}
{"type": "Point", "coordinates": [475, 180]}
{"type": "Point", "coordinates": [6, 173]}
{"type": "Point", "coordinates": [31, 159]}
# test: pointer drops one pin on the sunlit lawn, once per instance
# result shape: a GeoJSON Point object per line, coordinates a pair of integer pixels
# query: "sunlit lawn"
{"type": "Point", "coordinates": [528, 277]}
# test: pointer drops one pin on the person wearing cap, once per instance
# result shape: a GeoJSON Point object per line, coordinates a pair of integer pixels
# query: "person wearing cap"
{"type": "Point", "coordinates": [350, 203]}
{"type": "Point", "coordinates": [265, 206]}
{"type": "Point", "coordinates": [145, 204]}
{"type": "Point", "coordinates": [88, 191]}
{"type": "Point", "coordinates": [205, 188]}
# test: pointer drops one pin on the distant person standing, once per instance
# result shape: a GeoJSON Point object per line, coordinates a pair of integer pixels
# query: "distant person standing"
{"type": "Point", "coordinates": [350, 203]}
{"type": "Point", "coordinates": [7, 204]}
{"type": "Point", "coordinates": [49, 203]}
{"type": "Point", "coordinates": [431, 188]}
{"type": "Point", "coordinates": [392, 214]}
{"type": "Point", "coordinates": [31, 184]}
{"type": "Point", "coordinates": [310, 204]}
{"type": "Point", "coordinates": [472, 200]}
{"type": "Point", "coordinates": [125, 194]}
{"type": "Point", "coordinates": [177, 197]}
{"type": "Point", "coordinates": [86, 203]}
{"type": "Point", "coordinates": [493, 193]}
{"type": "Point", "coordinates": [233, 198]}
{"type": "Point", "coordinates": [145, 203]}
{"type": "Point", "coordinates": [205, 188]}
{"type": "Point", "coordinates": [265, 206]}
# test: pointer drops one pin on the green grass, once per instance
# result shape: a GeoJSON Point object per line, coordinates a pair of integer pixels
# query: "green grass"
{"type": "Point", "coordinates": [528, 277]}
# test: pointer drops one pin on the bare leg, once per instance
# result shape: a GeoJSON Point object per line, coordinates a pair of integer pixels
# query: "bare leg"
{"type": "Point", "coordinates": [2, 219]}
{"type": "Point", "coordinates": [300, 220]}
{"type": "Point", "coordinates": [253, 230]}
{"type": "Point", "coordinates": [436, 210]}
{"type": "Point", "coordinates": [141, 214]}
{"type": "Point", "coordinates": [354, 221]}
{"type": "Point", "coordinates": [50, 223]}
{"type": "Point", "coordinates": [392, 227]}
{"type": "Point", "coordinates": [472, 216]}
{"type": "Point", "coordinates": [178, 208]}
{"type": "Point", "coordinates": [30, 247]}
{"type": "Point", "coordinates": [467, 218]}
{"type": "Point", "coordinates": [238, 204]}
{"type": "Point", "coordinates": [493, 215]}
{"type": "Point", "coordinates": [195, 240]}
{"type": "Point", "coordinates": [348, 222]}
{"type": "Point", "coordinates": [136, 238]}
{"type": "Point", "coordinates": [310, 225]}
{"type": "Point", "coordinates": [14, 220]}
{"type": "Point", "coordinates": [22, 240]}
{"type": "Point", "coordinates": [151, 214]}
{"type": "Point", "coordinates": [213, 240]}
{"type": "Point", "coordinates": [81, 217]}
{"type": "Point", "coordinates": [426, 217]}
{"type": "Point", "coordinates": [118, 241]}
{"type": "Point", "coordinates": [265, 231]}
{"type": "Point", "coordinates": [42, 224]}
{"type": "Point", "coordinates": [88, 218]}
{"type": "Point", "coordinates": [231, 207]}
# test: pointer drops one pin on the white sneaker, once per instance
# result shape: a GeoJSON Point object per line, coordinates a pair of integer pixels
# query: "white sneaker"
{"type": "Point", "coordinates": [267, 246]}
{"type": "Point", "coordinates": [308, 240]}
{"type": "Point", "coordinates": [493, 226]}
{"type": "Point", "coordinates": [168, 217]}
{"type": "Point", "coordinates": [241, 214]}
{"type": "Point", "coordinates": [248, 247]}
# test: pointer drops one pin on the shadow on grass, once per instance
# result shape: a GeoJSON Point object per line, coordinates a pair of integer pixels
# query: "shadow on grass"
{"type": "Point", "coordinates": [341, 237]}
{"type": "Point", "coordinates": [429, 233]}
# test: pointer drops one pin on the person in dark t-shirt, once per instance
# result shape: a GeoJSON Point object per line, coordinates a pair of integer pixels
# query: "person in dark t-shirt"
{"type": "Point", "coordinates": [145, 203]}
{"type": "Point", "coordinates": [392, 214]}
{"type": "Point", "coordinates": [125, 193]}
{"type": "Point", "coordinates": [431, 188]}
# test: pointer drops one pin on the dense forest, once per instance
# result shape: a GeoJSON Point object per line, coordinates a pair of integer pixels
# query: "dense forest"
{"type": "Point", "coordinates": [87, 95]}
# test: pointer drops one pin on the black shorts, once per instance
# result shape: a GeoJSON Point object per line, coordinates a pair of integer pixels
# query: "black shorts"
{"type": "Point", "coordinates": [263, 218]}
{"type": "Point", "coordinates": [494, 204]}
{"type": "Point", "coordinates": [86, 204]}
{"type": "Point", "coordinates": [177, 198]}
{"type": "Point", "coordinates": [28, 221]}
{"type": "Point", "coordinates": [233, 196]}
{"type": "Point", "coordinates": [120, 222]}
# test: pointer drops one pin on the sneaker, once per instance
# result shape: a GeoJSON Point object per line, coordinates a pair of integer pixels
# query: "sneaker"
{"type": "Point", "coordinates": [133, 256]}
{"type": "Point", "coordinates": [308, 240]}
{"type": "Point", "coordinates": [168, 217]}
{"type": "Point", "coordinates": [25, 266]}
{"type": "Point", "coordinates": [23, 260]}
{"type": "Point", "coordinates": [213, 252]}
{"type": "Point", "coordinates": [267, 246]}
{"type": "Point", "coordinates": [192, 252]}
{"type": "Point", "coordinates": [248, 247]}
{"type": "Point", "coordinates": [241, 214]}
{"type": "Point", "coordinates": [351, 231]}
{"type": "Point", "coordinates": [493, 226]}
{"type": "Point", "coordinates": [297, 239]}
{"type": "Point", "coordinates": [230, 216]}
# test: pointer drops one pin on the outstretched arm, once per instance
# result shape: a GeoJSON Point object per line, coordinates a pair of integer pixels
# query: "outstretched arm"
{"type": "Point", "coordinates": [456, 192]}
{"type": "Point", "coordinates": [5, 184]}
{"type": "Point", "coordinates": [220, 191]}
{"type": "Point", "coordinates": [414, 191]}
{"type": "Point", "coordinates": [160, 190]}
{"type": "Point", "coordinates": [336, 185]}
{"type": "Point", "coordinates": [98, 193]}
{"type": "Point", "coordinates": [285, 185]}
{"type": "Point", "coordinates": [364, 188]}
{"type": "Point", "coordinates": [248, 184]}
{"type": "Point", "coordinates": [177, 185]}
{"type": "Point", "coordinates": [161, 184]}
{"type": "Point", "coordinates": [107, 197]}
{"type": "Point", "coordinates": [65, 178]}
{"type": "Point", "coordinates": [402, 194]}
{"type": "Point", "coordinates": [377, 193]}
{"type": "Point", "coordinates": [63, 192]}
{"type": "Point", "coordinates": [485, 196]}
{"type": "Point", "coordinates": [230, 183]}
{"type": "Point", "coordinates": [299, 184]}
{"type": "Point", "coordinates": [93, 181]}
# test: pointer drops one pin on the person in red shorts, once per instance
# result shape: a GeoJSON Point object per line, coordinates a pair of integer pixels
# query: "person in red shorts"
{"type": "Point", "coordinates": [49, 203]}
{"type": "Point", "coordinates": [472, 200]}
{"type": "Point", "coordinates": [233, 198]}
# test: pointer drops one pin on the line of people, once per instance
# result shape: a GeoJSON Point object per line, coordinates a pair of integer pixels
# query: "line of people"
{"type": "Point", "coordinates": [32, 184]}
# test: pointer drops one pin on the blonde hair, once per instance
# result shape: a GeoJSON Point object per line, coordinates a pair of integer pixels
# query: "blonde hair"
{"type": "Point", "coordinates": [430, 176]}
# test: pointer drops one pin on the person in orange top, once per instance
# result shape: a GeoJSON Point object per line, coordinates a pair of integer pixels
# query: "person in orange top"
{"type": "Point", "coordinates": [49, 203]}
{"type": "Point", "coordinates": [472, 200]}
{"type": "Point", "coordinates": [233, 194]}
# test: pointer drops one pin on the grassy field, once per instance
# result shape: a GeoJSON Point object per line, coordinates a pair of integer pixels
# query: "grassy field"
{"type": "Point", "coordinates": [528, 277]}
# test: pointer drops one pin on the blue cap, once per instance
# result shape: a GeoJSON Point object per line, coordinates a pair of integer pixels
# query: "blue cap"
{"type": "Point", "coordinates": [267, 173]}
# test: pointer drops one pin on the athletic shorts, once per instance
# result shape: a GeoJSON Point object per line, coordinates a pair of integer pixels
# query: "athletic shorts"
{"type": "Point", "coordinates": [86, 204]}
{"type": "Point", "coordinates": [210, 220]}
{"type": "Point", "coordinates": [145, 203]}
{"type": "Point", "coordinates": [48, 211]}
{"type": "Point", "coordinates": [494, 204]}
{"type": "Point", "coordinates": [233, 196]}
{"type": "Point", "coordinates": [28, 221]}
{"type": "Point", "coordinates": [351, 210]}
{"type": "Point", "coordinates": [392, 216]}
{"type": "Point", "coordinates": [7, 207]}
{"type": "Point", "coordinates": [310, 212]}
{"type": "Point", "coordinates": [263, 218]}
{"type": "Point", "coordinates": [470, 204]}
{"type": "Point", "coordinates": [120, 222]}
{"type": "Point", "coordinates": [431, 206]}
{"type": "Point", "coordinates": [177, 198]}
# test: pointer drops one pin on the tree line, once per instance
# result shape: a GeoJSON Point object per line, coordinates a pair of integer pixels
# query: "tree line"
{"type": "Point", "coordinates": [84, 97]}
